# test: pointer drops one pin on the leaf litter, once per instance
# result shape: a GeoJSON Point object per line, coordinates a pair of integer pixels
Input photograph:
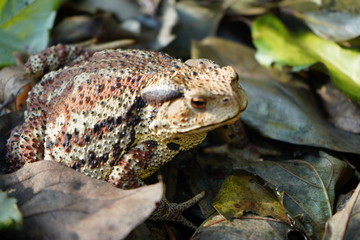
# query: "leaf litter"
{"type": "Point", "coordinates": [59, 203]}
{"type": "Point", "coordinates": [303, 158]}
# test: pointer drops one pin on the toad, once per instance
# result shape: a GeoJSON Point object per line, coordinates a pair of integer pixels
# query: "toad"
{"type": "Point", "coordinates": [118, 115]}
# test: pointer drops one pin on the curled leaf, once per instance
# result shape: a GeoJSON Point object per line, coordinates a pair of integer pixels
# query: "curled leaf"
{"type": "Point", "coordinates": [345, 223]}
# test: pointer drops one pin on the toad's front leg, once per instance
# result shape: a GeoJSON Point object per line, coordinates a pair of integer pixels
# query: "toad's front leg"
{"type": "Point", "coordinates": [140, 162]}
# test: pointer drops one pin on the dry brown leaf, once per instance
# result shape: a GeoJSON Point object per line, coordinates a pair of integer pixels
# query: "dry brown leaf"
{"type": "Point", "coordinates": [60, 203]}
{"type": "Point", "coordinates": [342, 112]}
{"type": "Point", "coordinates": [100, 26]}
{"type": "Point", "coordinates": [14, 83]}
{"type": "Point", "coordinates": [345, 223]}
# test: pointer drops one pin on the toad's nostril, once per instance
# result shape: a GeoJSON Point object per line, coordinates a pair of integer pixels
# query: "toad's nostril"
{"type": "Point", "coordinates": [225, 100]}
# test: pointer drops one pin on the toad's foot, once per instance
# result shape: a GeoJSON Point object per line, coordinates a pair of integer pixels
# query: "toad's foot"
{"type": "Point", "coordinates": [169, 211]}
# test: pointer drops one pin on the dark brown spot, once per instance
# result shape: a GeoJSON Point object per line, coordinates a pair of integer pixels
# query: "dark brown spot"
{"type": "Point", "coordinates": [99, 88]}
{"type": "Point", "coordinates": [118, 120]}
{"type": "Point", "coordinates": [67, 143]}
{"type": "Point", "coordinates": [173, 146]}
{"type": "Point", "coordinates": [78, 164]}
{"type": "Point", "coordinates": [151, 144]}
{"type": "Point", "coordinates": [96, 128]}
{"type": "Point", "coordinates": [86, 138]}
{"type": "Point", "coordinates": [92, 155]}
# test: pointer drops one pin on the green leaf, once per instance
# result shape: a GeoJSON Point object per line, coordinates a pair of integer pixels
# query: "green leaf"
{"type": "Point", "coordinates": [279, 46]}
{"type": "Point", "coordinates": [24, 26]}
{"type": "Point", "coordinates": [10, 216]}
{"type": "Point", "coordinates": [307, 187]}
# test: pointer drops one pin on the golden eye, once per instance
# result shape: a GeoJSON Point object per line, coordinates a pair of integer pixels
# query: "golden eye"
{"type": "Point", "coordinates": [198, 102]}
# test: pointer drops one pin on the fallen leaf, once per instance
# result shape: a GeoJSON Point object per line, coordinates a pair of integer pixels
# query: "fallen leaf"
{"type": "Point", "coordinates": [123, 10]}
{"type": "Point", "coordinates": [196, 21]}
{"type": "Point", "coordinates": [169, 17]}
{"type": "Point", "coordinates": [305, 186]}
{"type": "Point", "coordinates": [15, 83]}
{"type": "Point", "coordinates": [342, 112]}
{"type": "Point", "coordinates": [101, 26]}
{"type": "Point", "coordinates": [345, 223]}
{"type": "Point", "coordinates": [60, 203]}
{"type": "Point", "coordinates": [245, 193]}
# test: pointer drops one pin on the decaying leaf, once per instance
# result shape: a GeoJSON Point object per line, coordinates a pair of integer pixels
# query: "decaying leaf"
{"type": "Point", "coordinates": [342, 112]}
{"type": "Point", "coordinates": [345, 223]}
{"type": "Point", "coordinates": [15, 84]}
{"type": "Point", "coordinates": [195, 22]}
{"type": "Point", "coordinates": [60, 203]}
{"type": "Point", "coordinates": [306, 187]}
{"type": "Point", "coordinates": [169, 19]}
{"type": "Point", "coordinates": [125, 9]}
{"type": "Point", "coordinates": [245, 193]}
{"type": "Point", "coordinates": [279, 107]}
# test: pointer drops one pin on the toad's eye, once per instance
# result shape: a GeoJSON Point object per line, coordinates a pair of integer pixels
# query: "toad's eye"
{"type": "Point", "coordinates": [198, 102]}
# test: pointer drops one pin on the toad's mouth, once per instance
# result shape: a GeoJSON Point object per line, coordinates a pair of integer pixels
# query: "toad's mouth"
{"type": "Point", "coordinates": [215, 125]}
